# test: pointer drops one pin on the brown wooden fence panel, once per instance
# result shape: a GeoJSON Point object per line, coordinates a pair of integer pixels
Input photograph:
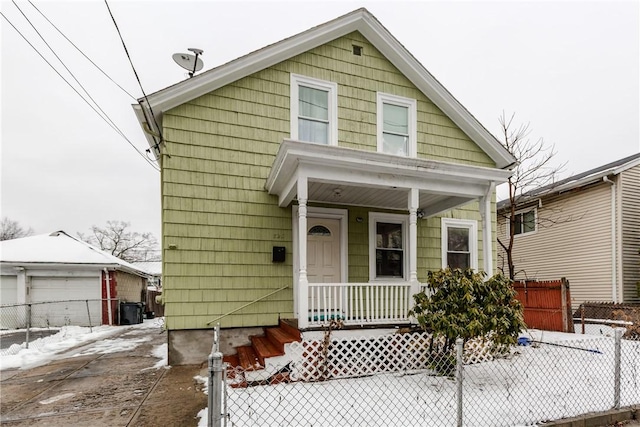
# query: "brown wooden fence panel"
{"type": "Point", "coordinates": [547, 305]}
{"type": "Point", "coordinates": [152, 305]}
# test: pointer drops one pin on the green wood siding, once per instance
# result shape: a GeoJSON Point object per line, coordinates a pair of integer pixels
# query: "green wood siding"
{"type": "Point", "coordinates": [219, 224]}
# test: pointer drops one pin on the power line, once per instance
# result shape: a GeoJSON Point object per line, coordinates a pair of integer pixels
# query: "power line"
{"type": "Point", "coordinates": [126, 51]}
{"type": "Point", "coordinates": [65, 66]}
{"type": "Point", "coordinates": [76, 91]}
{"type": "Point", "coordinates": [79, 50]}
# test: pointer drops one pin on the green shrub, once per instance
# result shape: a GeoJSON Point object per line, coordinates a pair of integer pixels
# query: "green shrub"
{"type": "Point", "coordinates": [463, 305]}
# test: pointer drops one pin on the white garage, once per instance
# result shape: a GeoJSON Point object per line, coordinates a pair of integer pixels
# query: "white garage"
{"type": "Point", "coordinates": [58, 280]}
{"type": "Point", "coordinates": [10, 318]}
{"type": "Point", "coordinates": [73, 311]}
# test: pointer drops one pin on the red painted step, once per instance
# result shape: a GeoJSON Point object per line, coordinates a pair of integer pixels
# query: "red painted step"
{"type": "Point", "coordinates": [291, 328]}
{"type": "Point", "coordinates": [264, 348]}
{"type": "Point", "coordinates": [248, 358]}
{"type": "Point", "coordinates": [279, 337]}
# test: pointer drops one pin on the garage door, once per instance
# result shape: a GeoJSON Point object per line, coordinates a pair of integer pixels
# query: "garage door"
{"type": "Point", "coordinates": [70, 301]}
{"type": "Point", "coordinates": [10, 317]}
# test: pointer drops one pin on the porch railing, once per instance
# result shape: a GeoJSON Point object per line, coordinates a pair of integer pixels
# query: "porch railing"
{"type": "Point", "coordinates": [359, 303]}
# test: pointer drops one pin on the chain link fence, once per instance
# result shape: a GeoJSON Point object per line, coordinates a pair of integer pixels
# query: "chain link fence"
{"type": "Point", "coordinates": [396, 380]}
{"type": "Point", "coordinates": [24, 325]}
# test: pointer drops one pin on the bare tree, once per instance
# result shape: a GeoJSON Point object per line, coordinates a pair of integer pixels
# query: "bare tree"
{"type": "Point", "coordinates": [10, 229]}
{"type": "Point", "coordinates": [129, 246]}
{"type": "Point", "coordinates": [533, 170]}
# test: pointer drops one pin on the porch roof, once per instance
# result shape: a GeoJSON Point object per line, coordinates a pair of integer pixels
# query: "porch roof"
{"type": "Point", "coordinates": [345, 176]}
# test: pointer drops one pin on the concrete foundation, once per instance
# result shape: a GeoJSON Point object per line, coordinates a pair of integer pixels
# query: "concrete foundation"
{"type": "Point", "coordinates": [193, 346]}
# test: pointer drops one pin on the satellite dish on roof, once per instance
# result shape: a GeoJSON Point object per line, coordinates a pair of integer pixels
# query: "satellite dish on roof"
{"type": "Point", "coordinates": [189, 62]}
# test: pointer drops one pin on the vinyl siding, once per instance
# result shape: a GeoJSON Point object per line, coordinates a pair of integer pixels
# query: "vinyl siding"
{"type": "Point", "coordinates": [577, 246]}
{"type": "Point", "coordinates": [629, 182]}
{"type": "Point", "coordinates": [219, 224]}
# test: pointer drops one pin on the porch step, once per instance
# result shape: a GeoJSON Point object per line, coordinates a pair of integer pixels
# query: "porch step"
{"type": "Point", "coordinates": [247, 366]}
{"type": "Point", "coordinates": [235, 376]}
{"type": "Point", "coordinates": [248, 359]}
{"type": "Point", "coordinates": [264, 347]}
{"type": "Point", "coordinates": [291, 328]}
{"type": "Point", "coordinates": [279, 337]}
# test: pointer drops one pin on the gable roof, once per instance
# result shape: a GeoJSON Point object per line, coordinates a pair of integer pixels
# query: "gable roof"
{"type": "Point", "coordinates": [575, 181]}
{"type": "Point", "coordinates": [360, 20]}
{"type": "Point", "coordinates": [61, 248]}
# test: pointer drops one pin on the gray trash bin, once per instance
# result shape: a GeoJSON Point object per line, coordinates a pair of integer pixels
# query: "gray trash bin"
{"type": "Point", "coordinates": [131, 313]}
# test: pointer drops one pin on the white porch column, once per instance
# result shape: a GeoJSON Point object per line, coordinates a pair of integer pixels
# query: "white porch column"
{"type": "Point", "coordinates": [413, 203]}
{"type": "Point", "coordinates": [21, 286]}
{"type": "Point", "coordinates": [487, 220]}
{"type": "Point", "coordinates": [303, 281]}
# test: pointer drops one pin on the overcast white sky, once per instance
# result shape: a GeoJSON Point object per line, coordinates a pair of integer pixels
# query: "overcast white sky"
{"type": "Point", "coordinates": [570, 68]}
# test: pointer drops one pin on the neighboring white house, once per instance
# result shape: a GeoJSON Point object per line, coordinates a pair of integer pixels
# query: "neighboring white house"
{"type": "Point", "coordinates": [60, 267]}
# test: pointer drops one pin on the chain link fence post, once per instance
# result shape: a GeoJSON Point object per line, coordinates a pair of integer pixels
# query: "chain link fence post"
{"type": "Point", "coordinates": [459, 372]}
{"type": "Point", "coordinates": [215, 389]}
{"type": "Point", "coordinates": [616, 380]}
{"type": "Point", "coordinates": [89, 315]}
{"type": "Point", "coordinates": [28, 324]}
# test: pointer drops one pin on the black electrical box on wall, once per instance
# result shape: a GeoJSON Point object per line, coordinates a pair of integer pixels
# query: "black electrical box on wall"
{"type": "Point", "coordinates": [278, 254]}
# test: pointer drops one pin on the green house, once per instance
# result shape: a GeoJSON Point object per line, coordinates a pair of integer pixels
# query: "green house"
{"type": "Point", "coordinates": [318, 178]}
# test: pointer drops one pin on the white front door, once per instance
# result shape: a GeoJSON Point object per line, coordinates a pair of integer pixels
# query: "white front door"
{"type": "Point", "coordinates": [323, 266]}
{"type": "Point", "coordinates": [323, 250]}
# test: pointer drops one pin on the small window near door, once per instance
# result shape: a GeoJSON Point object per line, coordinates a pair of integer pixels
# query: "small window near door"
{"type": "Point", "coordinates": [387, 237]}
{"type": "Point", "coordinates": [459, 243]}
{"type": "Point", "coordinates": [319, 230]}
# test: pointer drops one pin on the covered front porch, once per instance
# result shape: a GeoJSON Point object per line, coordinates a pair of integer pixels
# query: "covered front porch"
{"type": "Point", "coordinates": [396, 192]}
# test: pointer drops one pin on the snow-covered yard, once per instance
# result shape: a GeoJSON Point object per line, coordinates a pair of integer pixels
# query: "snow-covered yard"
{"type": "Point", "coordinates": [538, 382]}
{"type": "Point", "coordinates": [569, 375]}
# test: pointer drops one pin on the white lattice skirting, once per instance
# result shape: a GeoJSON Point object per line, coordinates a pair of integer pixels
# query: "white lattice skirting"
{"type": "Point", "coordinates": [348, 357]}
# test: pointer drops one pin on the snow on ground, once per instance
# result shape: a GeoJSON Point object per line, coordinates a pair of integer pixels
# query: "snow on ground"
{"type": "Point", "coordinates": [573, 374]}
{"type": "Point", "coordinates": [44, 350]}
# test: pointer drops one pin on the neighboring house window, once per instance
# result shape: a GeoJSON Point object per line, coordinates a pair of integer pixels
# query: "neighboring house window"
{"type": "Point", "coordinates": [314, 116]}
{"type": "Point", "coordinates": [388, 246]}
{"type": "Point", "coordinates": [396, 125]}
{"type": "Point", "coordinates": [525, 222]}
{"type": "Point", "coordinates": [459, 243]}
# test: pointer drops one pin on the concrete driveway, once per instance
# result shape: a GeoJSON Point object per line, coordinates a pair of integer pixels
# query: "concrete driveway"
{"type": "Point", "coordinates": [117, 389]}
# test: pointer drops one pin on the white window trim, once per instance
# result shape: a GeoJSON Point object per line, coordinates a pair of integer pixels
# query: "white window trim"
{"type": "Point", "coordinates": [375, 217]}
{"type": "Point", "coordinates": [331, 87]}
{"type": "Point", "coordinates": [411, 104]}
{"type": "Point", "coordinates": [535, 224]}
{"type": "Point", "coordinates": [472, 225]}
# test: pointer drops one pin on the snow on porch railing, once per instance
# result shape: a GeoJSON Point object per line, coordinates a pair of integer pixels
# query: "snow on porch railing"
{"type": "Point", "coordinates": [359, 303]}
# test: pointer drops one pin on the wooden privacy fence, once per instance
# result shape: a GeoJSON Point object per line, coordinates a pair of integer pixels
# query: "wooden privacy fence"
{"type": "Point", "coordinates": [547, 304]}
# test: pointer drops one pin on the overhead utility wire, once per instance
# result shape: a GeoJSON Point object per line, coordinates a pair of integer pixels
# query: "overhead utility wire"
{"type": "Point", "coordinates": [75, 90]}
{"type": "Point", "coordinates": [106, 116]}
{"type": "Point", "coordinates": [78, 49]}
{"type": "Point", "coordinates": [65, 66]}
{"type": "Point", "coordinates": [126, 51]}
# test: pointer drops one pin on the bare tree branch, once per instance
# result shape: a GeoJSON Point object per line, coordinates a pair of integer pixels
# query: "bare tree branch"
{"type": "Point", "coordinates": [127, 245]}
{"type": "Point", "coordinates": [533, 170]}
{"type": "Point", "coordinates": [10, 229]}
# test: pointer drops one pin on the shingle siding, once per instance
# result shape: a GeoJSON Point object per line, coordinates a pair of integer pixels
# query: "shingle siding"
{"type": "Point", "coordinates": [219, 224]}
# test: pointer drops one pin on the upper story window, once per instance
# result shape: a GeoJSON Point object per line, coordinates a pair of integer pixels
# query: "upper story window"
{"type": "Point", "coordinates": [314, 110]}
{"type": "Point", "coordinates": [396, 125]}
{"type": "Point", "coordinates": [459, 243]}
{"type": "Point", "coordinates": [525, 222]}
{"type": "Point", "coordinates": [388, 246]}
